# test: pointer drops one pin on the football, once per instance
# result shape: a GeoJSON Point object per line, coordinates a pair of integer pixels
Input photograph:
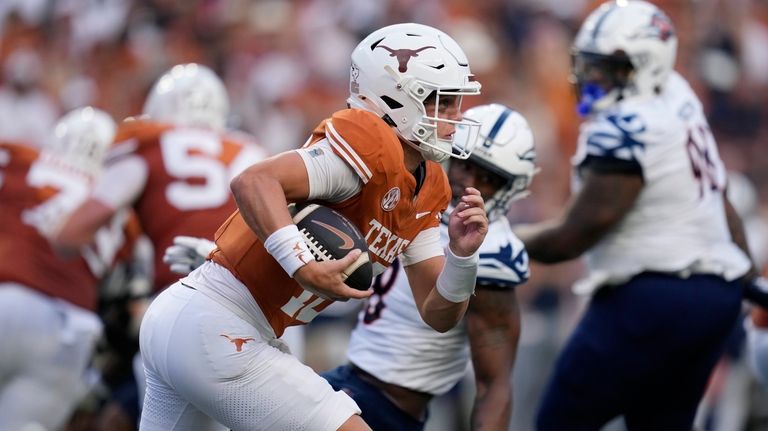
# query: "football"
{"type": "Point", "coordinates": [329, 236]}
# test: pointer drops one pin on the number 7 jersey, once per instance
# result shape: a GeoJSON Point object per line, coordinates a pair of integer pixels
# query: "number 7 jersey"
{"type": "Point", "coordinates": [678, 222]}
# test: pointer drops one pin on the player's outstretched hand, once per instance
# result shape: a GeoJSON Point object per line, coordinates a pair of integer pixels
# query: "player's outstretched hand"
{"type": "Point", "coordinates": [468, 223]}
{"type": "Point", "coordinates": [326, 279]}
{"type": "Point", "coordinates": [187, 253]}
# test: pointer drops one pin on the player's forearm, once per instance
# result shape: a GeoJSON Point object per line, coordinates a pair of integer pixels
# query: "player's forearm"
{"type": "Point", "coordinates": [493, 405]}
{"type": "Point", "coordinates": [261, 201]}
{"type": "Point", "coordinates": [551, 242]}
{"type": "Point", "coordinates": [441, 314]}
{"type": "Point", "coordinates": [82, 225]}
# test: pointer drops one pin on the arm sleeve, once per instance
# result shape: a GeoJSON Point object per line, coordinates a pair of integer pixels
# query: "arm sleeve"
{"type": "Point", "coordinates": [426, 245]}
{"type": "Point", "coordinates": [611, 146]}
{"type": "Point", "coordinates": [121, 182]}
{"type": "Point", "coordinates": [330, 178]}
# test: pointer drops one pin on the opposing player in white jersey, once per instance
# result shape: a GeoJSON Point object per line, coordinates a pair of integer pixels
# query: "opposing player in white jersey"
{"type": "Point", "coordinates": [666, 249]}
{"type": "Point", "coordinates": [396, 362]}
{"type": "Point", "coordinates": [48, 323]}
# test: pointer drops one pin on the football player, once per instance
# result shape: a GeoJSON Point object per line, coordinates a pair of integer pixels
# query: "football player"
{"type": "Point", "coordinates": [666, 251]}
{"type": "Point", "coordinates": [172, 165]}
{"type": "Point", "coordinates": [397, 363]}
{"type": "Point", "coordinates": [48, 323]}
{"type": "Point", "coordinates": [209, 342]}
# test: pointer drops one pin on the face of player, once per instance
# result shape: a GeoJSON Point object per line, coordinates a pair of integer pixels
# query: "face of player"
{"type": "Point", "coordinates": [465, 173]}
{"type": "Point", "coordinates": [449, 108]}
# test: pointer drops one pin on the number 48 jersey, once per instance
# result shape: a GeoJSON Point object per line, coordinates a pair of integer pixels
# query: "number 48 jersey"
{"type": "Point", "coordinates": [678, 222]}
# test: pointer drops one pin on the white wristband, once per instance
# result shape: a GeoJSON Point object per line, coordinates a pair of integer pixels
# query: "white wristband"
{"type": "Point", "coordinates": [457, 281]}
{"type": "Point", "coordinates": [288, 248]}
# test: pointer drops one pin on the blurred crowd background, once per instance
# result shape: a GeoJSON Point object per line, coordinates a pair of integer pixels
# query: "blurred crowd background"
{"type": "Point", "coordinates": [285, 64]}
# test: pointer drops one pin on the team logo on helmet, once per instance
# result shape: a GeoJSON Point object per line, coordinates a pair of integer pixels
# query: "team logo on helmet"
{"type": "Point", "coordinates": [390, 199]}
{"type": "Point", "coordinates": [661, 26]}
{"type": "Point", "coordinates": [404, 55]}
{"type": "Point", "coordinates": [354, 73]}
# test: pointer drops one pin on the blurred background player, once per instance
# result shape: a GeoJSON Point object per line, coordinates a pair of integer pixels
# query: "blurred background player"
{"type": "Point", "coordinates": [377, 164]}
{"type": "Point", "coordinates": [663, 240]}
{"type": "Point", "coordinates": [397, 362]}
{"type": "Point", "coordinates": [48, 324]}
{"type": "Point", "coordinates": [172, 166]}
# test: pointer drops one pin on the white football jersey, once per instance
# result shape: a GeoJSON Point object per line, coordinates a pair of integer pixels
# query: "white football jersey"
{"type": "Point", "coordinates": [393, 343]}
{"type": "Point", "coordinates": [678, 222]}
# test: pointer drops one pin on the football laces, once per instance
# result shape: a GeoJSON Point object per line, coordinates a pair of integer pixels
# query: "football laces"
{"type": "Point", "coordinates": [317, 249]}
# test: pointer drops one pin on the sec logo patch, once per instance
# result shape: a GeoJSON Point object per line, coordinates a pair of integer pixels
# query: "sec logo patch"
{"type": "Point", "coordinates": [390, 199]}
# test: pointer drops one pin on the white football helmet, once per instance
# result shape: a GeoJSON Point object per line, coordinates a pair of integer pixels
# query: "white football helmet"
{"type": "Point", "coordinates": [505, 146]}
{"type": "Point", "coordinates": [189, 95]}
{"type": "Point", "coordinates": [396, 68]}
{"type": "Point", "coordinates": [631, 45]}
{"type": "Point", "coordinates": [80, 140]}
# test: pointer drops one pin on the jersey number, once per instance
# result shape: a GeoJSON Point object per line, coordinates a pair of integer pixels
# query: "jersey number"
{"type": "Point", "coordinates": [193, 154]}
{"type": "Point", "coordinates": [705, 162]}
{"type": "Point", "coordinates": [302, 307]}
{"type": "Point", "coordinates": [381, 286]}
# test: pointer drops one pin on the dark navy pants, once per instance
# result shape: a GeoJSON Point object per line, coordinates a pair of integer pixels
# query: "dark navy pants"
{"type": "Point", "coordinates": [643, 350]}
{"type": "Point", "coordinates": [378, 411]}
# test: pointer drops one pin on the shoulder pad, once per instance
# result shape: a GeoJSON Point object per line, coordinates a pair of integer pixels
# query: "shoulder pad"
{"type": "Point", "coordinates": [364, 141]}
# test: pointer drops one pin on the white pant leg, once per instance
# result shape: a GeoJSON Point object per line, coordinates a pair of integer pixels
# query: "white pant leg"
{"type": "Point", "coordinates": [200, 357]}
{"type": "Point", "coordinates": [46, 345]}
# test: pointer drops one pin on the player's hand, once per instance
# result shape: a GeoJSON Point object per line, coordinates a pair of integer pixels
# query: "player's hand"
{"type": "Point", "coordinates": [187, 253]}
{"type": "Point", "coordinates": [468, 223]}
{"type": "Point", "coordinates": [326, 280]}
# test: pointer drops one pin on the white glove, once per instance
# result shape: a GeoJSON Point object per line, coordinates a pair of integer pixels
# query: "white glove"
{"type": "Point", "coordinates": [187, 253]}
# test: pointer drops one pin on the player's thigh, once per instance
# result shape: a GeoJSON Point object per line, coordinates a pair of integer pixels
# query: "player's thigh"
{"type": "Point", "coordinates": [226, 368]}
{"type": "Point", "coordinates": [378, 411]}
{"type": "Point", "coordinates": [267, 389]}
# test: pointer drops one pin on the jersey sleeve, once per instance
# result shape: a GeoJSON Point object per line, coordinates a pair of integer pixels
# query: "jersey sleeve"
{"type": "Point", "coordinates": [610, 144]}
{"type": "Point", "coordinates": [503, 264]}
{"type": "Point", "coordinates": [426, 245]}
{"type": "Point", "coordinates": [362, 140]}
{"type": "Point", "coordinates": [330, 178]}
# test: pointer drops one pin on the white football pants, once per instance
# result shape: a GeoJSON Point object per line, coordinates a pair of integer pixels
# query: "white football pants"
{"type": "Point", "coordinates": [45, 347]}
{"type": "Point", "coordinates": [209, 369]}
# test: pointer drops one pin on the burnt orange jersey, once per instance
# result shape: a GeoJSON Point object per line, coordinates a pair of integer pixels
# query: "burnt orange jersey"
{"type": "Point", "coordinates": [26, 257]}
{"type": "Point", "coordinates": [187, 188]}
{"type": "Point", "coordinates": [388, 212]}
